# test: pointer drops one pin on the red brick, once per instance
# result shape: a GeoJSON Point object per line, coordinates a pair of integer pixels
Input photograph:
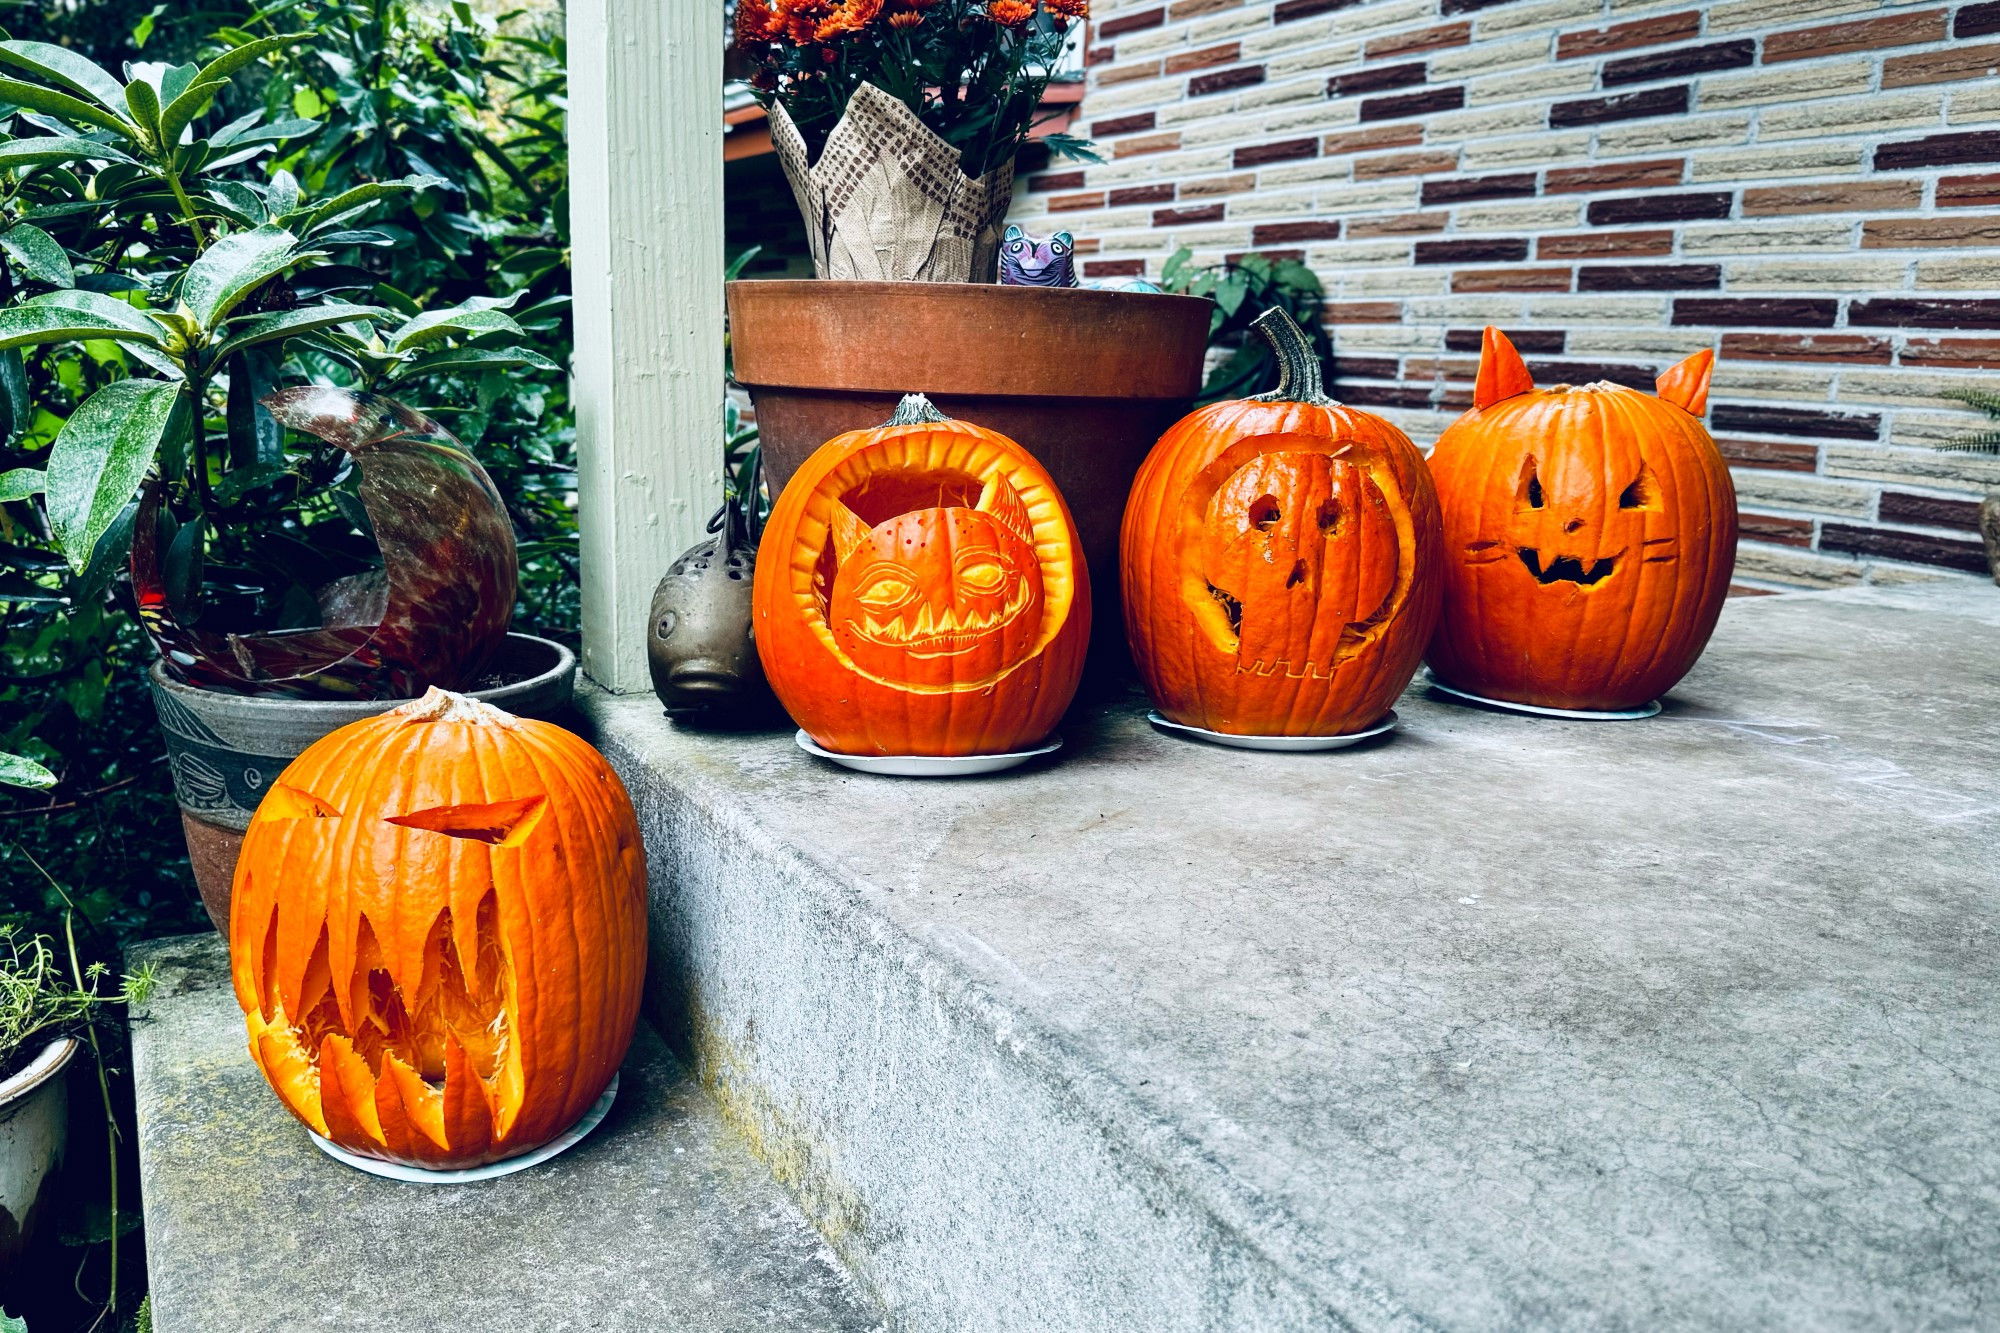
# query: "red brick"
{"type": "Point", "coordinates": [1275, 256]}
{"type": "Point", "coordinates": [1625, 36]}
{"type": "Point", "coordinates": [1769, 455]}
{"type": "Point", "coordinates": [1775, 528]}
{"type": "Point", "coordinates": [1648, 277]}
{"type": "Point", "coordinates": [1968, 191]}
{"type": "Point", "coordinates": [1930, 511]}
{"type": "Point", "coordinates": [1982, 20]}
{"type": "Point", "coordinates": [1288, 10]}
{"type": "Point", "coordinates": [1939, 150]}
{"type": "Point", "coordinates": [1115, 268]}
{"type": "Point", "coordinates": [1179, 217]}
{"type": "Point", "coordinates": [1682, 60]}
{"type": "Point", "coordinates": [1285, 150]}
{"type": "Point", "coordinates": [1834, 197]}
{"type": "Point", "coordinates": [1151, 18]}
{"type": "Point", "coordinates": [1809, 422]}
{"type": "Point", "coordinates": [1070, 203]}
{"type": "Point", "coordinates": [1850, 348]}
{"type": "Point", "coordinates": [1396, 224]}
{"type": "Point", "coordinates": [1376, 79]}
{"type": "Point", "coordinates": [1606, 245]}
{"type": "Point", "coordinates": [1206, 58]}
{"type": "Point", "coordinates": [1659, 208]}
{"type": "Point", "coordinates": [1958, 353]}
{"type": "Point", "coordinates": [1277, 233]}
{"type": "Point", "coordinates": [1412, 104]}
{"type": "Point", "coordinates": [1860, 35]}
{"type": "Point", "coordinates": [1145, 120]}
{"type": "Point", "coordinates": [1472, 250]}
{"type": "Point", "coordinates": [1443, 36]}
{"type": "Point", "coordinates": [1918, 312]}
{"type": "Point", "coordinates": [1224, 80]}
{"type": "Point", "coordinates": [1363, 312]}
{"type": "Point", "coordinates": [1382, 136]}
{"type": "Point", "coordinates": [1620, 106]}
{"type": "Point", "coordinates": [1960, 62]}
{"type": "Point", "coordinates": [1511, 280]}
{"type": "Point", "coordinates": [1980, 230]}
{"type": "Point", "coordinates": [1406, 164]}
{"type": "Point", "coordinates": [1617, 176]}
{"type": "Point", "coordinates": [1547, 342]}
{"type": "Point", "coordinates": [1061, 180]}
{"type": "Point", "coordinates": [1514, 185]}
{"type": "Point", "coordinates": [1100, 55]}
{"type": "Point", "coordinates": [1760, 312]}
{"type": "Point", "coordinates": [1921, 548]}
{"type": "Point", "coordinates": [1127, 195]}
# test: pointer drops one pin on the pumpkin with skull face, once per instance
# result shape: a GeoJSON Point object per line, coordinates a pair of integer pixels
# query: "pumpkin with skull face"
{"type": "Point", "coordinates": [1277, 555]}
{"type": "Point", "coordinates": [438, 933]}
{"type": "Point", "coordinates": [920, 590]}
{"type": "Point", "coordinates": [1590, 534]}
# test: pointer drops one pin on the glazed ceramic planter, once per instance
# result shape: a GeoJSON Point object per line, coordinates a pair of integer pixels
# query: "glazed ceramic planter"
{"type": "Point", "coordinates": [225, 749]}
{"type": "Point", "coordinates": [34, 1120]}
{"type": "Point", "coordinates": [1086, 380]}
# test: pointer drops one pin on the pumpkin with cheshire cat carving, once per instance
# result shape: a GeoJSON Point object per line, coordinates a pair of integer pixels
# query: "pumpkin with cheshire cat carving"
{"type": "Point", "coordinates": [920, 590]}
{"type": "Point", "coordinates": [438, 933]}
{"type": "Point", "coordinates": [1278, 556]}
{"type": "Point", "coordinates": [1590, 533]}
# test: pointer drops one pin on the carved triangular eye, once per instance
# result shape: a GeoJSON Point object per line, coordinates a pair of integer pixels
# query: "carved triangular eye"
{"type": "Point", "coordinates": [1643, 493]}
{"type": "Point", "coordinates": [850, 531]}
{"type": "Point", "coordinates": [500, 823]}
{"type": "Point", "coordinates": [1529, 488]}
{"type": "Point", "coordinates": [283, 802]}
{"type": "Point", "coordinates": [1004, 503]}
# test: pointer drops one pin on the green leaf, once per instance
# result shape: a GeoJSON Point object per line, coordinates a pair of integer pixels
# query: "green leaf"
{"type": "Point", "coordinates": [473, 358]}
{"type": "Point", "coordinates": [478, 314]}
{"type": "Point", "coordinates": [349, 201]}
{"type": "Point", "coordinates": [17, 771]}
{"type": "Point", "coordinates": [62, 106]}
{"type": "Point", "coordinates": [233, 267]}
{"type": "Point", "coordinates": [62, 66]}
{"type": "Point", "coordinates": [144, 101]}
{"type": "Point", "coordinates": [47, 149]}
{"type": "Point", "coordinates": [99, 458]}
{"type": "Point", "coordinates": [217, 72]}
{"type": "Point", "coordinates": [249, 332]}
{"type": "Point", "coordinates": [37, 254]}
{"type": "Point", "coordinates": [27, 325]}
{"type": "Point", "coordinates": [21, 483]}
{"type": "Point", "coordinates": [96, 305]}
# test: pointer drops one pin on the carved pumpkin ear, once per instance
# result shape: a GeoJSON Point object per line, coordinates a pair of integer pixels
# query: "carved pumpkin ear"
{"type": "Point", "coordinates": [1004, 503]}
{"type": "Point", "coordinates": [1686, 385]}
{"type": "Point", "coordinates": [498, 823]}
{"type": "Point", "coordinates": [282, 802]}
{"type": "Point", "coordinates": [1502, 373]}
{"type": "Point", "coordinates": [850, 531]}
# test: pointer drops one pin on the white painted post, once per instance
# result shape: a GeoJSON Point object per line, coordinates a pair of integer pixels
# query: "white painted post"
{"type": "Point", "coordinates": [645, 132]}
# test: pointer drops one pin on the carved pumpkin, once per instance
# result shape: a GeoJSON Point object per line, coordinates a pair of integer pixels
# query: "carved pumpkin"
{"type": "Point", "coordinates": [1278, 556]}
{"type": "Point", "coordinates": [1590, 532]}
{"type": "Point", "coordinates": [920, 590]}
{"type": "Point", "coordinates": [438, 933]}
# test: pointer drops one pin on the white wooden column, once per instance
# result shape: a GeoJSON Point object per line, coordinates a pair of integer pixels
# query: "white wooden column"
{"type": "Point", "coordinates": [645, 131]}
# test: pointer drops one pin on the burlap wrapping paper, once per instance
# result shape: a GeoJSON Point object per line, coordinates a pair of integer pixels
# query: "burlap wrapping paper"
{"type": "Point", "coordinates": [887, 202]}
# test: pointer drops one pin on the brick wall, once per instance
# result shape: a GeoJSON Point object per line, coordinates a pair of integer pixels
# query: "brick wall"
{"type": "Point", "coordinates": [1811, 187]}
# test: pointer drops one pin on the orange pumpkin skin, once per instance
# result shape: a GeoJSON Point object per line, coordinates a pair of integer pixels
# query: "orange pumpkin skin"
{"type": "Point", "coordinates": [920, 589]}
{"type": "Point", "coordinates": [1590, 534]}
{"type": "Point", "coordinates": [438, 933]}
{"type": "Point", "coordinates": [1277, 558]}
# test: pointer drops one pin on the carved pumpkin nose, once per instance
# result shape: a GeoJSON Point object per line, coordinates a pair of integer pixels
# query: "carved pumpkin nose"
{"type": "Point", "coordinates": [1573, 525]}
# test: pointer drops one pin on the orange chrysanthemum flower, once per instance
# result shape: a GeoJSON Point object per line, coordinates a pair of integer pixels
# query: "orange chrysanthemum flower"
{"type": "Point", "coordinates": [756, 22]}
{"type": "Point", "coordinates": [906, 18]}
{"type": "Point", "coordinates": [849, 16]}
{"type": "Point", "coordinates": [1010, 13]}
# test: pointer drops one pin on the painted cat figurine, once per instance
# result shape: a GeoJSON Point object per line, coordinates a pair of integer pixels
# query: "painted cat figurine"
{"type": "Point", "coordinates": [1050, 261]}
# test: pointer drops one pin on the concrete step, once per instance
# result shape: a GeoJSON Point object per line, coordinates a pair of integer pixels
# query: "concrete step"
{"type": "Point", "coordinates": [659, 1220]}
{"type": "Point", "coordinates": [1504, 1023]}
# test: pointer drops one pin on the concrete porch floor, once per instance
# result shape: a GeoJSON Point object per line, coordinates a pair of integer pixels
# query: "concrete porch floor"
{"type": "Point", "coordinates": [1503, 1023]}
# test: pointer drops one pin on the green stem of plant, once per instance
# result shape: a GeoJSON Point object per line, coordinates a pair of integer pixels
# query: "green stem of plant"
{"type": "Point", "coordinates": [187, 208]}
{"type": "Point", "coordinates": [110, 1118]}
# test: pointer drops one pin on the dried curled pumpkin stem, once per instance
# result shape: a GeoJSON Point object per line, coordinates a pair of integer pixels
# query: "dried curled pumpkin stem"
{"type": "Point", "coordinates": [1299, 377]}
{"type": "Point", "coordinates": [916, 410]}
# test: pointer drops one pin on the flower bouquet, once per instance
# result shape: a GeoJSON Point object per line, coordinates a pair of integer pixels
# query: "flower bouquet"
{"type": "Point", "coordinates": [897, 122]}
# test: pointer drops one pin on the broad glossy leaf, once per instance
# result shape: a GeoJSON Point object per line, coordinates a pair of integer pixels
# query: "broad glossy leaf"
{"type": "Point", "coordinates": [37, 254]}
{"type": "Point", "coordinates": [28, 325]}
{"type": "Point", "coordinates": [99, 458]}
{"type": "Point", "coordinates": [22, 482]}
{"type": "Point", "coordinates": [255, 438]}
{"type": "Point", "coordinates": [44, 150]}
{"type": "Point", "coordinates": [233, 267]}
{"type": "Point", "coordinates": [62, 106]}
{"type": "Point", "coordinates": [478, 314]}
{"type": "Point", "coordinates": [218, 71]}
{"type": "Point", "coordinates": [64, 67]}
{"type": "Point", "coordinates": [256, 329]}
{"type": "Point", "coordinates": [20, 771]}
{"type": "Point", "coordinates": [143, 100]}
{"type": "Point", "coordinates": [473, 359]}
{"type": "Point", "coordinates": [97, 305]}
{"type": "Point", "coordinates": [348, 201]}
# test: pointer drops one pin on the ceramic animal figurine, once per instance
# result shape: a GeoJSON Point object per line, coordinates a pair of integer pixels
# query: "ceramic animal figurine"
{"type": "Point", "coordinates": [698, 645]}
{"type": "Point", "coordinates": [1050, 261]}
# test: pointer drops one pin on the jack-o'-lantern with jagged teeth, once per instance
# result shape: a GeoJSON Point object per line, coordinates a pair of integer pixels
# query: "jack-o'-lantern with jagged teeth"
{"type": "Point", "coordinates": [1278, 556]}
{"type": "Point", "coordinates": [438, 933]}
{"type": "Point", "coordinates": [1590, 534]}
{"type": "Point", "coordinates": [921, 591]}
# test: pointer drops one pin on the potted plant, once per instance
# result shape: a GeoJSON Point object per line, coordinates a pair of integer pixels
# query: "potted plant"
{"type": "Point", "coordinates": [302, 548]}
{"type": "Point", "coordinates": [897, 123]}
{"type": "Point", "coordinates": [45, 1018]}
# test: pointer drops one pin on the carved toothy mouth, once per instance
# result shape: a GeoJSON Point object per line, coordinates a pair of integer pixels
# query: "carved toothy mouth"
{"type": "Point", "coordinates": [941, 633]}
{"type": "Point", "coordinates": [1566, 568]}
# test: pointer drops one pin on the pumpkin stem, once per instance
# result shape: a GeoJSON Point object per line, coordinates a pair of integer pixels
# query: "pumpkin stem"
{"type": "Point", "coordinates": [916, 410]}
{"type": "Point", "coordinates": [443, 706]}
{"type": "Point", "coordinates": [1300, 379]}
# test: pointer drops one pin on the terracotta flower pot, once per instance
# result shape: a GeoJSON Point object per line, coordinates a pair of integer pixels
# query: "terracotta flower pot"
{"type": "Point", "coordinates": [226, 749]}
{"type": "Point", "coordinates": [1086, 380]}
{"type": "Point", "coordinates": [34, 1125]}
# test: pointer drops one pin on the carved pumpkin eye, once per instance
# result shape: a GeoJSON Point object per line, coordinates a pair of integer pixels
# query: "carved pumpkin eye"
{"type": "Point", "coordinates": [283, 802]}
{"type": "Point", "coordinates": [498, 823]}
{"type": "Point", "coordinates": [1531, 484]}
{"type": "Point", "coordinates": [886, 592]}
{"type": "Point", "coordinates": [1264, 512]}
{"type": "Point", "coordinates": [1642, 493]}
{"type": "Point", "coordinates": [982, 574]}
{"type": "Point", "coordinates": [1329, 517]}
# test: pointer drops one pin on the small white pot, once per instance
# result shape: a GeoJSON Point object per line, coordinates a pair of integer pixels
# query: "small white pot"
{"type": "Point", "coordinates": [34, 1125]}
